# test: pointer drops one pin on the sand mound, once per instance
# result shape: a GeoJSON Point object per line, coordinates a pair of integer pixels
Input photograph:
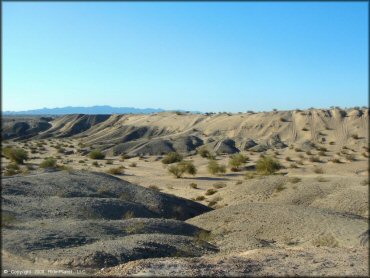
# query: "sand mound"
{"type": "Point", "coordinates": [254, 225]}
{"type": "Point", "coordinates": [93, 220]}
{"type": "Point", "coordinates": [259, 262]}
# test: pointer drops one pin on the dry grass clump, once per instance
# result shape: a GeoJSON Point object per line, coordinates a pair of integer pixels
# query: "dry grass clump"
{"type": "Point", "coordinates": [219, 185]}
{"type": "Point", "coordinates": [193, 185]}
{"type": "Point", "coordinates": [314, 159]}
{"type": "Point", "coordinates": [350, 157]}
{"type": "Point", "coordinates": [128, 215]}
{"type": "Point", "coordinates": [327, 240]}
{"type": "Point", "coordinates": [96, 154]}
{"type": "Point", "coordinates": [318, 170]}
{"type": "Point", "coordinates": [211, 191]}
{"type": "Point", "coordinates": [172, 157]}
{"type": "Point", "coordinates": [200, 198]}
{"type": "Point", "coordinates": [116, 170]}
{"type": "Point", "coordinates": [48, 163]}
{"type": "Point", "coordinates": [181, 168]}
{"type": "Point", "coordinates": [335, 160]}
{"type": "Point", "coordinates": [267, 166]}
{"type": "Point", "coordinates": [293, 165]}
{"type": "Point", "coordinates": [236, 161]}
{"type": "Point", "coordinates": [12, 169]}
{"type": "Point", "coordinates": [154, 187]}
{"type": "Point", "coordinates": [294, 179]}
{"type": "Point", "coordinates": [214, 168]}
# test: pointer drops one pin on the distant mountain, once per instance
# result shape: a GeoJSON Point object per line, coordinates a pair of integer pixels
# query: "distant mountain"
{"type": "Point", "coordinates": [104, 109]}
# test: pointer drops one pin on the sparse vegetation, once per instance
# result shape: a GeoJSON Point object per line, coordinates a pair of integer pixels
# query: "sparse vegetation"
{"type": "Point", "coordinates": [48, 163]}
{"type": "Point", "coordinates": [96, 164]}
{"type": "Point", "coordinates": [133, 164]}
{"type": "Point", "coordinates": [318, 170]}
{"type": "Point", "coordinates": [219, 185]}
{"type": "Point", "coordinates": [116, 170]}
{"type": "Point", "coordinates": [172, 157]}
{"type": "Point", "coordinates": [193, 185]}
{"type": "Point", "coordinates": [211, 191]}
{"type": "Point", "coordinates": [203, 152]}
{"type": "Point", "coordinates": [294, 179]}
{"type": "Point", "coordinates": [214, 168]}
{"type": "Point", "coordinates": [200, 198]}
{"type": "Point", "coordinates": [181, 168]}
{"type": "Point", "coordinates": [16, 155]}
{"type": "Point", "coordinates": [267, 166]}
{"type": "Point", "coordinates": [96, 154]}
{"type": "Point", "coordinates": [236, 161]}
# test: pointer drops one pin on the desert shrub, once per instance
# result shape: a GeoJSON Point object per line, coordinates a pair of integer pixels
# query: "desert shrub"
{"type": "Point", "coordinates": [293, 165]}
{"type": "Point", "coordinates": [305, 128]}
{"type": "Point", "coordinates": [335, 160]}
{"type": "Point", "coordinates": [128, 215]}
{"type": "Point", "coordinates": [200, 198]}
{"type": "Point", "coordinates": [288, 158]}
{"type": "Point", "coordinates": [96, 164]}
{"type": "Point", "coordinates": [96, 154]}
{"type": "Point", "coordinates": [16, 155]}
{"type": "Point", "coordinates": [294, 179]}
{"type": "Point", "coordinates": [365, 155]}
{"type": "Point", "coordinates": [318, 170]}
{"type": "Point", "coordinates": [249, 175]}
{"type": "Point", "coordinates": [237, 160]}
{"type": "Point", "coordinates": [331, 143]}
{"type": "Point", "coordinates": [181, 168]}
{"type": "Point", "coordinates": [327, 240]}
{"type": "Point", "coordinates": [133, 164]}
{"type": "Point", "coordinates": [219, 185]}
{"type": "Point", "coordinates": [154, 187]}
{"type": "Point", "coordinates": [193, 185]}
{"type": "Point", "coordinates": [109, 162]}
{"type": "Point", "coordinates": [12, 169]}
{"type": "Point", "coordinates": [323, 149]}
{"type": "Point", "coordinates": [81, 161]}
{"type": "Point", "coordinates": [309, 153]}
{"type": "Point", "coordinates": [364, 182]}
{"type": "Point", "coordinates": [215, 168]}
{"type": "Point", "coordinates": [267, 165]}
{"type": "Point", "coordinates": [301, 156]}
{"type": "Point", "coordinates": [48, 162]}
{"type": "Point", "coordinates": [298, 150]}
{"type": "Point", "coordinates": [172, 157]}
{"type": "Point", "coordinates": [203, 152]}
{"type": "Point", "coordinates": [280, 187]}
{"type": "Point", "coordinates": [238, 182]}
{"type": "Point", "coordinates": [314, 159]}
{"type": "Point", "coordinates": [350, 157]}
{"type": "Point", "coordinates": [211, 191]}
{"type": "Point", "coordinates": [321, 153]}
{"type": "Point", "coordinates": [321, 179]}
{"type": "Point", "coordinates": [116, 170]}
{"type": "Point", "coordinates": [355, 136]}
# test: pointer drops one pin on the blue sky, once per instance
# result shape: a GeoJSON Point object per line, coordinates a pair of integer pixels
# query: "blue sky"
{"type": "Point", "coordinates": [194, 56]}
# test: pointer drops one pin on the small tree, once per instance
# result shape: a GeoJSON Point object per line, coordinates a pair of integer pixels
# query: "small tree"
{"type": "Point", "coordinates": [214, 168]}
{"type": "Point", "coordinates": [267, 165]}
{"type": "Point", "coordinates": [172, 157]}
{"type": "Point", "coordinates": [237, 160]}
{"type": "Point", "coordinates": [96, 154]}
{"type": "Point", "coordinates": [16, 155]}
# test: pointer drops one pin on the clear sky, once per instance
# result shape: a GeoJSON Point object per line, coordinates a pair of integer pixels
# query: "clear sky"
{"type": "Point", "coordinates": [193, 56]}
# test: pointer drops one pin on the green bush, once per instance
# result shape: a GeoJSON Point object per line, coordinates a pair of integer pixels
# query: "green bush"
{"type": "Point", "coordinates": [214, 168]}
{"type": "Point", "coordinates": [181, 168]}
{"type": "Point", "coordinates": [48, 163]}
{"type": "Point", "coordinates": [237, 160]}
{"type": "Point", "coordinates": [16, 155]}
{"type": "Point", "coordinates": [267, 165]}
{"type": "Point", "coordinates": [96, 154]}
{"type": "Point", "coordinates": [172, 157]}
